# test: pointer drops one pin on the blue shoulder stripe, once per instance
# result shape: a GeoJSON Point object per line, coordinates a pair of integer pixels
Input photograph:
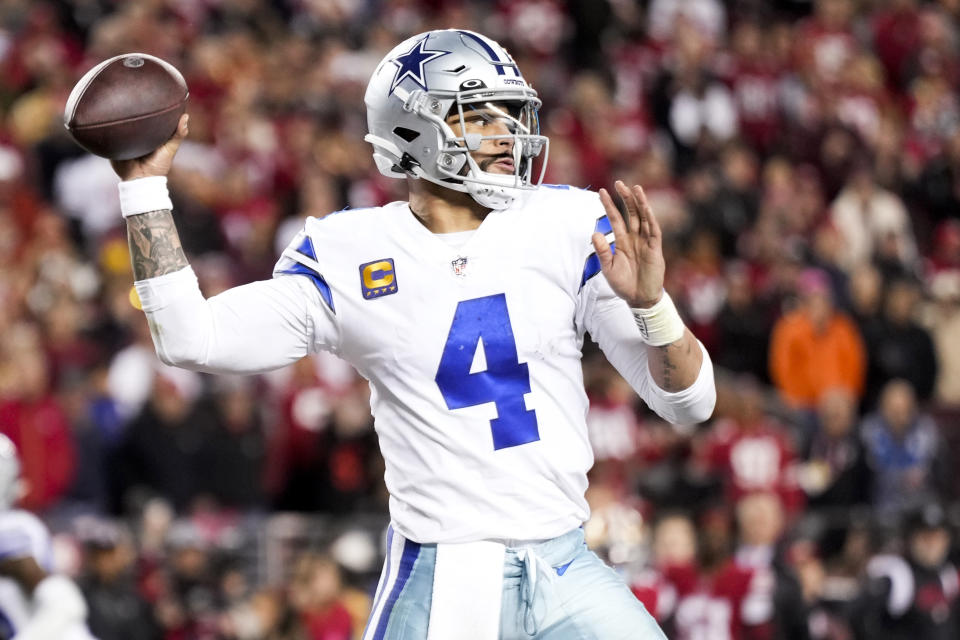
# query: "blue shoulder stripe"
{"type": "Point", "coordinates": [603, 226]}
{"type": "Point", "coordinates": [306, 248]}
{"type": "Point", "coordinates": [592, 266]}
{"type": "Point", "coordinates": [303, 270]}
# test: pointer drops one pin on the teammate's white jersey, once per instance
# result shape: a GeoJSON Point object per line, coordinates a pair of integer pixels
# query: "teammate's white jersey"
{"type": "Point", "coordinates": [472, 353]}
{"type": "Point", "coordinates": [22, 535]}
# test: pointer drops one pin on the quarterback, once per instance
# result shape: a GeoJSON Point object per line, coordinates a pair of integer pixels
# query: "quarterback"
{"type": "Point", "coordinates": [465, 307]}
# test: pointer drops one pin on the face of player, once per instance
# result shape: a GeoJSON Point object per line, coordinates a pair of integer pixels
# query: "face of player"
{"type": "Point", "coordinates": [489, 119]}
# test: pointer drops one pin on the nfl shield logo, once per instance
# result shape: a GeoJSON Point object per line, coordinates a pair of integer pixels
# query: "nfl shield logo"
{"type": "Point", "coordinates": [459, 266]}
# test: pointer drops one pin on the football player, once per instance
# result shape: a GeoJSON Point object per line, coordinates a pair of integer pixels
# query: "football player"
{"type": "Point", "coordinates": [465, 307]}
{"type": "Point", "coordinates": [35, 604]}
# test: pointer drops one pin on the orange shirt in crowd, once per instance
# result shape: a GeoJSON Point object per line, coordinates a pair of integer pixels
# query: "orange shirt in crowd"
{"type": "Point", "coordinates": [804, 362]}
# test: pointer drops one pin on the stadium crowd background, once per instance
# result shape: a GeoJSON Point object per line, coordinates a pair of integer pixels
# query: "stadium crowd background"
{"type": "Point", "coordinates": [804, 161]}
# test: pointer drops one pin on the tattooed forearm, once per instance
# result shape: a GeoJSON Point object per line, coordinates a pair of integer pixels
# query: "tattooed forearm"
{"type": "Point", "coordinates": [675, 366]}
{"type": "Point", "coordinates": [154, 244]}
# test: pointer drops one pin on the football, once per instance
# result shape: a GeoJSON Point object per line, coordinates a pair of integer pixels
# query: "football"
{"type": "Point", "coordinates": [126, 107]}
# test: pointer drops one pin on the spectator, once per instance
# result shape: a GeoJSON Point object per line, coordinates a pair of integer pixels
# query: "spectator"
{"type": "Point", "coordinates": [32, 417]}
{"type": "Point", "coordinates": [673, 577]}
{"type": "Point", "coordinates": [915, 595]}
{"type": "Point", "coordinates": [743, 326]}
{"type": "Point", "coordinates": [612, 423]}
{"type": "Point", "coordinates": [698, 284]}
{"type": "Point", "coordinates": [759, 593]}
{"type": "Point", "coordinates": [350, 467]}
{"type": "Point", "coordinates": [187, 599]}
{"type": "Point", "coordinates": [898, 346]}
{"type": "Point", "coordinates": [91, 419]}
{"type": "Point", "coordinates": [315, 594]}
{"type": "Point", "coordinates": [943, 322]}
{"type": "Point", "coordinates": [825, 42]}
{"type": "Point", "coordinates": [944, 255]}
{"type": "Point", "coordinates": [117, 610]}
{"type": "Point", "coordinates": [835, 474]}
{"type": "Point", "coordinates": [258, 617]}
{"type": "Point", "coordinates": [815, 347]}
{"type": "Point", "coordinates": [896, 35]}
{"type": "Point", "coordinates": [755, 74]}
{"type": "Point", "coordinates": [826, 619]}
{"type": "Point", "coordinates": [937, 183]}
{"type": "Point", "coordinates": [235, 447]}
{"type": "Point", "coordinates": [725, 199]}
{"type": "Point", "coordinates": [751, 452]}
{"type": "Point", "coordinates": [866, 295]}
{"type": "Point", "coordinates": [905, 451]}
{"type": "Point", "coordinates": [690, 102]}
{"type": "Point", "coordinates": [162, 453]}
{"type": "Point", "coordinates": [868, 216]}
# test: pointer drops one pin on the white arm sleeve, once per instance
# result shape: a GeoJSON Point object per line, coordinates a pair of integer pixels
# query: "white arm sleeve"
{"type": "Point", "coordinates": [247, 329]}
{"type": "Point", "coordinates": [610, 323]}
{"type": "Point", "coordinates": [58, 606]}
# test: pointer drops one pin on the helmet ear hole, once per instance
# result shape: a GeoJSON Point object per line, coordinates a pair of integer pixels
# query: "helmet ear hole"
{"type": "Point", "coordinates": [409, 135]}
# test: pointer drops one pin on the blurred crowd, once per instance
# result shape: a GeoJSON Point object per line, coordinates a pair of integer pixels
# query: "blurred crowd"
{"type": "Point", "coordinates": [803, 157]}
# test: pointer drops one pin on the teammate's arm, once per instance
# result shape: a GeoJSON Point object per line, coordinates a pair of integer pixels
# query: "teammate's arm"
{"type": "Point", "coordinates": [635, 272]}
{"type": "Point", "coordinates": [58, 605]}
{"type": "Point", "coordinates": [247, 329]}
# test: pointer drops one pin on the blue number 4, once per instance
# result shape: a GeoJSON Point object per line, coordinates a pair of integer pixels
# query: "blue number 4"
{"type": "Point", "coordinates": [505, 380]}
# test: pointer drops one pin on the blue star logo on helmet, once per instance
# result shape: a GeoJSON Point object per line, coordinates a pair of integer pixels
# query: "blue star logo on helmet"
{"type": "Point", "coordinates": [410, 65]}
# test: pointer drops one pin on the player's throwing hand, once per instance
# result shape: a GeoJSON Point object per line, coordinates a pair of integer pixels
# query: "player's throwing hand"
{"type": "Point", "coordinates": [156, 163]}
{"type": "Point", "coordinates": [635, 270]}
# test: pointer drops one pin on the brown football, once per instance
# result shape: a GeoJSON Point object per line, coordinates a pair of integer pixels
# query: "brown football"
{"type": "Point", "coordinates": [126, 107]}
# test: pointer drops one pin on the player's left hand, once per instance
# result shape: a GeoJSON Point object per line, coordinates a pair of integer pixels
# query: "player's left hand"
{"type": "Point", "coordinates": [635, 271]}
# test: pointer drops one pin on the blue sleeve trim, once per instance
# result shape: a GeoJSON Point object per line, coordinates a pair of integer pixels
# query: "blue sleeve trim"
{"type": "Point", "coordinates": [590, 268]}
{"type": "Point", "coordinates": [317, 279]}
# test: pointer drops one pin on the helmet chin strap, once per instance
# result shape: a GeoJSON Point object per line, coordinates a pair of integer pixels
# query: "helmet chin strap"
{"type": "Point", "coordinates": [489, 196]}
{"type": "Point", "coordinates": [498, 195]}
{"type": "Point", "coordinates": [495, 196]}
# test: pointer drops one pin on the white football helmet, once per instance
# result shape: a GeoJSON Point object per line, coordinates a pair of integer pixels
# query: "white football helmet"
{"type": "Point", "coordinates": [438, 74]}
{"type": "Point", "coordinates": [11, 485]}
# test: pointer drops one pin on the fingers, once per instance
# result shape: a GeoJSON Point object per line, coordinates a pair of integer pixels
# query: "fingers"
{"type": "Point", "coordinates": [631, 205]}
{"type": "Point", "coordinates": [602, 247]}
{"type": "Point", "coordinates": [616, 220]}
{"type": "Point", "coordinates": [183, 128]}
{"type": "Point", "coordinates": [652, 227]}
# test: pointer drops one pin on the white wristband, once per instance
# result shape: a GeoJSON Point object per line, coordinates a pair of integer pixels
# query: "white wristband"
{"type": "Point", "coordinates": [143, 195]}
{"type": "Point", "coordinates": [660, 324]}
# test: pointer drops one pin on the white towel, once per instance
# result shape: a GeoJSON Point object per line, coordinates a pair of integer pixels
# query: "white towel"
{"type": "Point", "coordinates": [467, 589]}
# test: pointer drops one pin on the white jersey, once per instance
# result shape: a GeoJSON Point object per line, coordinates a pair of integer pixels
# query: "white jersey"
{"type": "Point", "coordinates": [472, 353]}
{"type": "Point", "coordinates": [22, 535]}
{"type": "Point", "coordinates": [473, 357]}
